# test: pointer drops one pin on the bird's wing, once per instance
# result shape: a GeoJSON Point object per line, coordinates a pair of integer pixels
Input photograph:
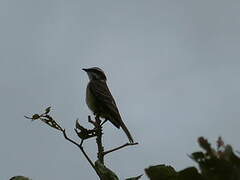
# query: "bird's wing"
{"type": "Point", "coordinates": [100, 91]}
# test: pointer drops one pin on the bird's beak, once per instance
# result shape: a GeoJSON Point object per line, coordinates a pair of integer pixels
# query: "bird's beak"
{"type": "Point", "coordinates": [85, 69]}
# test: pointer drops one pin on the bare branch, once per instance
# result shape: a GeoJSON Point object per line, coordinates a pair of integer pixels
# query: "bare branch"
{"type": "Point", "coordinates": [83, 134]}
{"type": "Point", "coordinates": [70, 140]}
{"type": "Point", "coordinates": [120, 147]}
{"type": "Point", "coordinates": [81, 148]}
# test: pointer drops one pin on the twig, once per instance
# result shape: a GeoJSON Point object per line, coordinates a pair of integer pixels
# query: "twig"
{"type": "Point", "coordinates": [67, 138]}
{"type": "Point", "coordinates": [83, 134]}
{"type": "Point", "coordinates": [91, 121]}
{"type": "Point", "coordinates": [81, 148]}
{"type": "Point", "coordinates": [120, 147]}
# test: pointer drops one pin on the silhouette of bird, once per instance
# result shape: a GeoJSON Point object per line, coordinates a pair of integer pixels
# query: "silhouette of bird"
{"type": "Point", "coordinates": [100, 100]}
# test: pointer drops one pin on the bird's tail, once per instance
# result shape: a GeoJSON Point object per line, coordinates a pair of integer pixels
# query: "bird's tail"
{"type": "Point", "coordinates": [125, 129]}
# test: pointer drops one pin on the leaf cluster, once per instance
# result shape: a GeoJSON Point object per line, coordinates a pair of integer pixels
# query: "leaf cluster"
{"type": "Point", "coordinates": [220, 163]}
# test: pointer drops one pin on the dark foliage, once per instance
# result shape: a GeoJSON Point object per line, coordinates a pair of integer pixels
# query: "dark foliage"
{"type": "Point", "coordinates": [214, 164]}
{"type": "Point", "coordinates": [220, 163]}
{"type": "Point", "coordinates": [217, 164]}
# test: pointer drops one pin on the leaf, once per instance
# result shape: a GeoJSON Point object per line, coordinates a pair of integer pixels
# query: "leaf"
{"type": "Point", "coordinates": [105, 173]}
{"type": "Point", "coordinates": [161, 172]}
{"type": "Point", "coordinates": [197, 156]}
{"type": "Point", "coordinates": [35, 116]}
{"type": "Point", "coordinates": [77, 125]}
{"type": "Point", "coordinates": [47, 110]}
{"type": "Point", "coordinates": [135, 178]}
{"type": "Point", "coordinates": [19, 178]}
{"type": "Point", "coordinates": [205, 144]}
{"type": "Point", "coordinates": [190, 173]}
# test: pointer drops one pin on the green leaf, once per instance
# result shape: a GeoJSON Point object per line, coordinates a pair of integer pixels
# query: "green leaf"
{"type": "Point", "coordinates": [47, 110]}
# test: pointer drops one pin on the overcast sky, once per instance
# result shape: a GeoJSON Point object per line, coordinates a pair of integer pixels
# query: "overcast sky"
{"type": "Point", "coordinates": [172, 66]}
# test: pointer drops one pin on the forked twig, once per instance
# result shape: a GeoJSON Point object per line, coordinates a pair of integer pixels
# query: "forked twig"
{"type": "Point", "coordinates": [81, 148]}
{"type": "Point", "coordinates": [83, 134]}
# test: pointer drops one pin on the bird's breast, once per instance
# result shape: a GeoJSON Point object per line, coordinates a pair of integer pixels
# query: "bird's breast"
{"type": "Point", "coordinates": [91, 100]}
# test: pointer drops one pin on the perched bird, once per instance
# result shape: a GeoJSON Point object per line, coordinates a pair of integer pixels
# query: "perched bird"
{"type": "Point", "coordinates": [100, 100]}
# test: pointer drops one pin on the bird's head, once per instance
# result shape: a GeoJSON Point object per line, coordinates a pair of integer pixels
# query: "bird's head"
{"type": "Point", "coordinates": [95, 73]}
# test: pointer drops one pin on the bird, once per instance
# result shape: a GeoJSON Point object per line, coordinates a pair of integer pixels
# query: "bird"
{"type": "Point", "coordinates": [100, 100]}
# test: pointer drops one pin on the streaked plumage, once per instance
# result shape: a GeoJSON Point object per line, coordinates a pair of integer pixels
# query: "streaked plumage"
{"type": "Point", "coordinates": [100, 100]}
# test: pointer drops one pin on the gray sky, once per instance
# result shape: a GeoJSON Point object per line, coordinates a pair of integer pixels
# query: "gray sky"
{"type": "Point", "coordinates": [172, 66]}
